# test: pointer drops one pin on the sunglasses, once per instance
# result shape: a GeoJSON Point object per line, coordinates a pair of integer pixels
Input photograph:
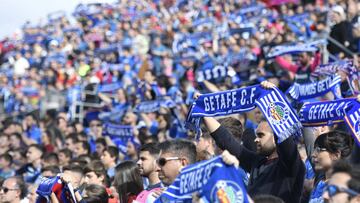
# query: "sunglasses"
{"type": "Point", "coordinates": [162, 161]}
{"type": "Point", "coordinates": [6, 190]}
{"type": "Point", "coordinates": [333, 190]}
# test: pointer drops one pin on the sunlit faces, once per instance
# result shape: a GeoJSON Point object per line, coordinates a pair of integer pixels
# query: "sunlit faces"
{"type": "Point", "coordinates": [147, 163]}
{"type": "Point", "coordinates": [169, 168]}
{"type": "Point", "coordinates": [335, 193]}
{"type": "Point", "coordinates": [10, 191]}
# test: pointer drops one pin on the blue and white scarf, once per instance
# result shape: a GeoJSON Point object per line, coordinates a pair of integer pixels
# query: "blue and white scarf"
{"type": "Point", "coordinates": [324, 113]}
{"type": "Point", "coordinates": [212, 73]}
{"type": "Point", "coordinates": [275, 108]}
{"type": "Point", "coordinates": [154, 105]}
{"type": "Point", "coordinates": [347, 66]}
{"type": "Point", "coordinates": [352, 119]}
{"type": "Point", "coordinates": [213, 179]}
{"type": "Point", "coordinates": [295, 49]}
{"type": "Point", "coordinates": [122, 132]}
{"type": "Point", "coordinates": [312, 90]}
{"type": "Point", "coordinates": [332, 68]}
{"type": "Point", "coordinates": [112, 87]}
{"type": "Point", "coordinates": [63, 192]}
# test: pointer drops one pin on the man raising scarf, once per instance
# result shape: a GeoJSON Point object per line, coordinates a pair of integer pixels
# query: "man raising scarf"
{"type": "Point", "coordinates": [276, 168]}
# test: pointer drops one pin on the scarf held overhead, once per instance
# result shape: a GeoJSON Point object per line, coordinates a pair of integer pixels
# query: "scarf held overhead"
{"type": "Point", "coordinates": [352, 119]}
{"type": "Point", "coordinates": [324, 113]}
{"type": "Point", "coordinates": [312, 90]}
{"type": "Point", "coordinates": [275, 108]}
{"type": "Point", "coordinates": [213, 179]}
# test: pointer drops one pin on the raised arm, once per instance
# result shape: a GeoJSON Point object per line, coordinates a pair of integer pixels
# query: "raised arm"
{"type": "Point", "coordinates": [289, 155]}
{"type": "Point", "coordinates": [316, 62]}
{"type": "Point", "coordinates": [225, 141]}
{"type": "Point", "coordinates": [286, 64]}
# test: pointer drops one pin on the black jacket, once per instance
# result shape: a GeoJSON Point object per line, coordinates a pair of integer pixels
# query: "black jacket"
{"type": "Point", "coordinates": [282, 177]}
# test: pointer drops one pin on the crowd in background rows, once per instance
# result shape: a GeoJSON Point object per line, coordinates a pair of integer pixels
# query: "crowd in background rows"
{"type": "Point", "coordinates": [151, 50]}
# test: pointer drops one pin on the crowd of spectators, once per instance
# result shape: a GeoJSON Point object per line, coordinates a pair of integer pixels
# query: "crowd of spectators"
{"type": "Point", "coordinates": [105, 60]}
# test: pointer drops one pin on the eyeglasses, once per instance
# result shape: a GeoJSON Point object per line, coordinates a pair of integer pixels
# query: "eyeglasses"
{"type": "Point", "coordinates": [319, 149]}
{"type": "Point", "coordinates": [6, 190]}
{"type": "Point", "coordinates": [333, 190]}
{"type": "Point", "coordinates": [162, 161]}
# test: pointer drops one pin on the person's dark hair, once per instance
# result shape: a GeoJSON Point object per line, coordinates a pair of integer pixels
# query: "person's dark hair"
{"type": "Point", "coordinates": [113, 151]}
{"type": "Point", "coordinates": [60, 118]}
{"type": "Point", "coordinates": [128, 180]}
{"type": "Point", "coordinates": [152, 148]}
{"type": "Point", "coordinates": [145, 138]}
{"type": "Point", "coordinates": [51, 157]}
{"type": "Point", "coordinates": [267, 199]}
{"type": "Point", "coordinates": [354, 182]}
{"type": "Point", "coordinates": [95, 194]}
{"type": "Point", "coordinates": [97, 167]}
{"type": "Point", "coordinates": [17, 135]}
{"type": "Point", "coordinates": [7, 158]}
{"type": "Point", "coordinates": [234, 126]}
{"type": "Point", "coordinates": [181, 148]}
{"type": "Point", "coordinates": [341, 166]}
{"type": "Point", "coordinates": [82, 136]}
{"type": "Point", "coordinates": [101, 141]}
{"type": "Point", "coordinates": [86, 146]}
{"type": "Point", "coordinates": [66, 152]}
{"type": "Point", "coordinates": [334, 142]}
{"type": "Point", "coordinates": [53, 169]}
{"type": "Point", "coordinates": [73, 137]}
{"type": "Point", "coordinates": [38, 147]}
{"type": "Point", "coordinates": [33, 116]}
{"type": "Point", "coordinates": [53, 135]}
{"type": "Point", "coordinates": [84, 158]}
{"type": "Point", "coordinates": [21, 185]}
{"type": "Point", "coordinates": [74, 168]}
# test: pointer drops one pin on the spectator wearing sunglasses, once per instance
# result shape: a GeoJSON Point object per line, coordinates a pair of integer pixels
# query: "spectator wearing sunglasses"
{"type": "Point", "coordinates": [337, 189]}
{"type": "Point", "coordinates": [13, 190]}
{"type": "Point", "coordinates": [174, 155]}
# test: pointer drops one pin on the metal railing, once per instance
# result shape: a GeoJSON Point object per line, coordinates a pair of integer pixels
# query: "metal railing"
{"type": "Point", "coordinates": [77, 107]}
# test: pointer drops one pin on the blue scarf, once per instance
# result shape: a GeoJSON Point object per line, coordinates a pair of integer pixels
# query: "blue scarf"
{"type": "Point", "coordinates": [332, 68]}
{"type": "Point", "coordinates": [154, 105]}
{"type": "Point", "coordinates": [64, 193]}
{"type": "Point", "coordinates": [352, 119]}
{"type": "Point", "coordinates": [211, 73]}
{"type": "Point", "coordinates": [324, 113]}
{"type": "Point", "coordinates": [112, 87]}
{"type": "Point", "coordinates": [312, 90]}
{"type": "Point", "coordinates": [353, 75]}
{"type": "Point", "coordinates": [209, 178]}
{"type": "Point", "coordinates": [295, 49]}
{"type": "Point", "coordinates": [122, 132]}
{"type": "Point", "coordinates": [275, 108]}
{"type": "Point", "coordinates": [316, 194]}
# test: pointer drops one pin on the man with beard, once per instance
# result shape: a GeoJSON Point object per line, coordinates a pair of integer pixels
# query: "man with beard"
{"type": "Point", "coordinates": [275, 168]}
{"type": "Point", "coordinates": [147, 164]}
